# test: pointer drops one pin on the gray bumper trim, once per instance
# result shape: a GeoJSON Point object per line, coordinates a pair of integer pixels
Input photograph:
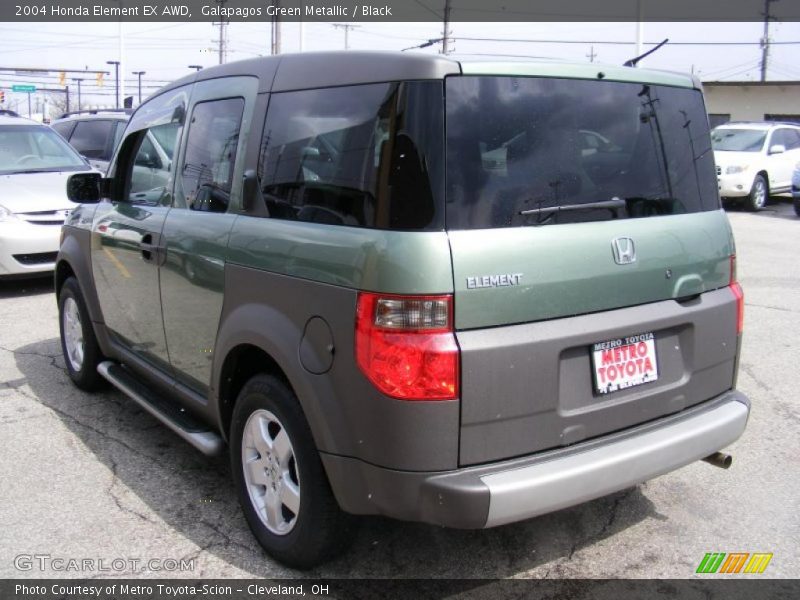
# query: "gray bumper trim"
{"type": "Point", "coordinates": [548, 486]}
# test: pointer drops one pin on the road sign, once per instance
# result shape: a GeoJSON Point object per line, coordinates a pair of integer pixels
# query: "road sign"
{"type": "Point", "coordinates": [23, 88]}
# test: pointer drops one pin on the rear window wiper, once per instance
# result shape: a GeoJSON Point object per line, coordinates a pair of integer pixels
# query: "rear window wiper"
{"type": "Point", "coordinates": [613, 204]}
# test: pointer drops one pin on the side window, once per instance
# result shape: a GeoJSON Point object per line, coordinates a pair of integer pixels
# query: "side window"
{"type": "Point", "coordinates": [150, 171]}
{"type": "Point", "coordinates": [360, 156]}
{"type": "Point", "coordinates": [90, 138]}
{"type": "Point", "coordinates": [63, 129]}
{"type": "Point", "coordinates": [792, 139]}
{"type": "Point", "coordinates": [207, 172]}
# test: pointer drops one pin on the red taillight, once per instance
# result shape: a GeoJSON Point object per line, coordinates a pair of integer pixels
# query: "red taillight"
{"type": "Point", "coordinates": [739, 294]}
{"type": "Point", "coordinates": [406, 347]}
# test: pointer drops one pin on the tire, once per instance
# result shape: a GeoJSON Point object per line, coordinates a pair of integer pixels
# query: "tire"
{"type": "Point", "coordinates": [297, 521]}
{"type": "Point", "coordinates": [759, 194]}
{"type": "Point", "coordinates": [796, 203]}
{"type": "Point", "coordinates": [78, 343]}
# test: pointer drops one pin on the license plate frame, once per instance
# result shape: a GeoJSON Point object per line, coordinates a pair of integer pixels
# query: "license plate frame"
{"type": "Point", "coordinates": [622, 363]}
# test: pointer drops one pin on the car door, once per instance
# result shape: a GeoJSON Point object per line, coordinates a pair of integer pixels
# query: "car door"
{"type": "Point", "coordinates": [207, 194]}
{"type": "Point", "coordinates": [127, 248]}
{"type": "Point", "coordinates": [781, 163]}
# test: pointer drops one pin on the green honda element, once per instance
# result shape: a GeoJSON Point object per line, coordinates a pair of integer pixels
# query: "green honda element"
{"type": "Point", "coordinates": [463, 293]}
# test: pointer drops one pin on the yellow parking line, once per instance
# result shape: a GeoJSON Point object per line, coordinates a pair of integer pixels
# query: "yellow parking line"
{"type": "Point", "coordinates": [117, 263]}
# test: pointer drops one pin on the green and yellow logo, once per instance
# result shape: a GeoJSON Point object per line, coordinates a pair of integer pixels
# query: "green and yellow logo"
{"type": "Point", "coordinates": [734, 562]}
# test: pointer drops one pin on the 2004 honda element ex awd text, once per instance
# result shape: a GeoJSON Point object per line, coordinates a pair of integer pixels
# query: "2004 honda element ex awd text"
{"type": "Point", "coordinates": [463, 293]}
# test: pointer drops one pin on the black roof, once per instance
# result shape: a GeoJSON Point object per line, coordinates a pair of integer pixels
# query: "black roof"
{"type": "Point", "coordinates": [324, 69]}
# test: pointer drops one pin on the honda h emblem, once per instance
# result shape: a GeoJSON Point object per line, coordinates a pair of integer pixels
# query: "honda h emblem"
{"type": "Point", "coordinates": [624, 250]}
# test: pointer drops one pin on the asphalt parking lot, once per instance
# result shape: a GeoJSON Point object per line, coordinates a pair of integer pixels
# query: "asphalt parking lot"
{"type": "Point", "coordinates": [93, 476]}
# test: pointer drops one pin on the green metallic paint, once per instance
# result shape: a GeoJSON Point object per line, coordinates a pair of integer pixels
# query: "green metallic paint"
{"type": "Point", "coordinates": [127, 286]}
{"type": "Point", "coordinates": [569, 269]}
{"type": "Point", "coordinates": [193, 276]}
{"type": "Point", "coordinates": [394, 262]}
{"type": "Point", "coordinates": [565, 70]}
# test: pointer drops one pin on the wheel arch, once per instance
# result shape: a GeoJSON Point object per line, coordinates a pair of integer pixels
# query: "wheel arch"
{"type": "Point", "coordinates": [255, 338]}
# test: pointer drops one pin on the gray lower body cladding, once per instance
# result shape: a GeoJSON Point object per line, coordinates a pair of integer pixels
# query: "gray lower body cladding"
{"type": "Point", "coordinates": [529, 387]}
{"type": "Point", "coordinates": [513, 490]}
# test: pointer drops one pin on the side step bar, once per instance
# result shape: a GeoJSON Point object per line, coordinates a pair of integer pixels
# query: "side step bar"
{"type": "Point", "coordinates": [174, 417]}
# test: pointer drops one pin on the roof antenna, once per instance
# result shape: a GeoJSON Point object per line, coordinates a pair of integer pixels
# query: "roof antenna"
{"type": "Point", "coordinates": [632, 62]}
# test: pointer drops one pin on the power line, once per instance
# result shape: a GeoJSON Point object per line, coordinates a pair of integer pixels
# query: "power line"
{"type": "Point", "coordinates": [617, 42]}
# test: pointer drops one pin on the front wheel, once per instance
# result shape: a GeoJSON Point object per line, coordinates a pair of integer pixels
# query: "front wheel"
{"type": "Point", "coordinates": [280, 480]}
{"type": "Point", "coordinates": [78, 343]}
{"type": "Point", "coordinates": [758, 194]}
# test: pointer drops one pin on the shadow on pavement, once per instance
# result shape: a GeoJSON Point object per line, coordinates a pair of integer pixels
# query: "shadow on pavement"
{"type": "Point", "coordinates": [194, 496]}
{"type": "Point", "coordinates": [18, 288]}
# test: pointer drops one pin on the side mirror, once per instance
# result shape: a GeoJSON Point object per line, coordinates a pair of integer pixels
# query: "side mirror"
{"type": "Point", "coordinates": [84, 188]}
{"type": "Point", "coordinates": [777, 149]}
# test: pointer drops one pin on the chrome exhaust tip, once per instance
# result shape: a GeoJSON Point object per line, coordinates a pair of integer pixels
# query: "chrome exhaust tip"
{"type": "Point", "coordinates": [719, 459]}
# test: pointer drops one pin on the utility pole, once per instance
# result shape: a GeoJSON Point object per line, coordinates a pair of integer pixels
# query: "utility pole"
{"type": "Point", "coordinates": [765, 40]}
{"type": "Point", "coordinates": [446, 28]}
{"type": "Point", "coordinates": [223, 42]}
{"type": "Point", "coordinates": [116, 76]}
{"type": "Point", "coordinates": [140, 73]}
{"type": "Point", "coordinates": [591, 54]}
{"type": "Point", "coordinates": [79, 91]}
{"type": "Point", "coordinates": [275, 31]}
{"type": "Point", "coordinates": [347, 29]}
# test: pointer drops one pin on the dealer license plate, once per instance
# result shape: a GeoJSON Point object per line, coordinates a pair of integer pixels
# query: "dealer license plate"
{"type": "Point", "coordinates": [624, 362]}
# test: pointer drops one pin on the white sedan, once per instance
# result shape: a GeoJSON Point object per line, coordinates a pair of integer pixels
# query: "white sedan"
{"type": "Point", "coordinates": [35, 163]}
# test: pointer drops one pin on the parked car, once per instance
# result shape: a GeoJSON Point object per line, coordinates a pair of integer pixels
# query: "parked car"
{"type": "Point", "coordinates": [755, 160]}
{"type": "Point", "coordinates": [34, 166]}
{"type": "Point", "coordinates": [796, 189]}
{"type": "Point", "coordinates": [93, 133]}
{"type": "Point", "coordinates": [379, 319]}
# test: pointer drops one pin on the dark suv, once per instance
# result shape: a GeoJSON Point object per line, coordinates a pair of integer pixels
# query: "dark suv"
{"type": "Point", "coordinates": [93, 133]}
{"type": "Point", "coordinates": [452, 292]}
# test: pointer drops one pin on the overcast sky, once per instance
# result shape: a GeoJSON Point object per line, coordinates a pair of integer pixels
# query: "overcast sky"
{"type": "Point", "coordinates": [164, 50]}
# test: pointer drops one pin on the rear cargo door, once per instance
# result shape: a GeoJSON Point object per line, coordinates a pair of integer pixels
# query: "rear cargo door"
{"type": "Point", "coordinates": [587, 245]}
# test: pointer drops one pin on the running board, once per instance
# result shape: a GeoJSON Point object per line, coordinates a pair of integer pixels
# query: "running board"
{"type": "Point", "coordinates": [174, 417]}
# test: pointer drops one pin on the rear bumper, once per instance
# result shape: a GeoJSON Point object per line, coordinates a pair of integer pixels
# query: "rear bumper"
{"type": "Point", "coordinates": [513, 490]}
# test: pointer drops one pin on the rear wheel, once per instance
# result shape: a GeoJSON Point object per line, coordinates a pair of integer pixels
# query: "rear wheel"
{"type": "Point", "coordinates": [280, 480]}
{"type": "Point", "coordinates": [78, 342]}
{"type": "Point", "coordinates": [758, 194]}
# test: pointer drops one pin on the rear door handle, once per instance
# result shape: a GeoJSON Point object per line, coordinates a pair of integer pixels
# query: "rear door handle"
{"type": "Point", "coordinates": [146, 246]}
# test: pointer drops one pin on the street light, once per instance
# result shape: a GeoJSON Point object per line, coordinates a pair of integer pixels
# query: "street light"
{"type": "Point", "coordinates": [195, 67]}
{"type": "Point", "coordinates": [79, 92]}
{"type": "Point", "coordinates": [116, 76]}
{"type": "Point", "coordinates": [140, 73]}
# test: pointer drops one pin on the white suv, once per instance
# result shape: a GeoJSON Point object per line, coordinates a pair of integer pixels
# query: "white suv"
{"type": "Point", "coordinates": [755, 160]}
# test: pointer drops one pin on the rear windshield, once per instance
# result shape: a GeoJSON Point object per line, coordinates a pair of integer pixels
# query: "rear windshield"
{"type": "Point", "coordinates": [738, 140]}
{"type": "Point", "coordinates": [539, 151]}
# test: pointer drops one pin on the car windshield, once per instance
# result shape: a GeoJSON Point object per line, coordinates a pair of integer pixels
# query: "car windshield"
{"type": "Point", "coordinates": [738, 140]}
{"type": "Point", "coordinates": [539, 151]}
{"type": "Point", "coordinates": [35, 148]}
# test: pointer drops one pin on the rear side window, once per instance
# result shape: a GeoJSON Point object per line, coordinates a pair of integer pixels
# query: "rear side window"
{"type": "Point", "coordinates": [92, 138]}
{"type": "Point", "coordinates": [539, 151]}
{"type": "Point", "coordinates": [360, 156]}
{"type": "Point", "coordinates": [207, 172]}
